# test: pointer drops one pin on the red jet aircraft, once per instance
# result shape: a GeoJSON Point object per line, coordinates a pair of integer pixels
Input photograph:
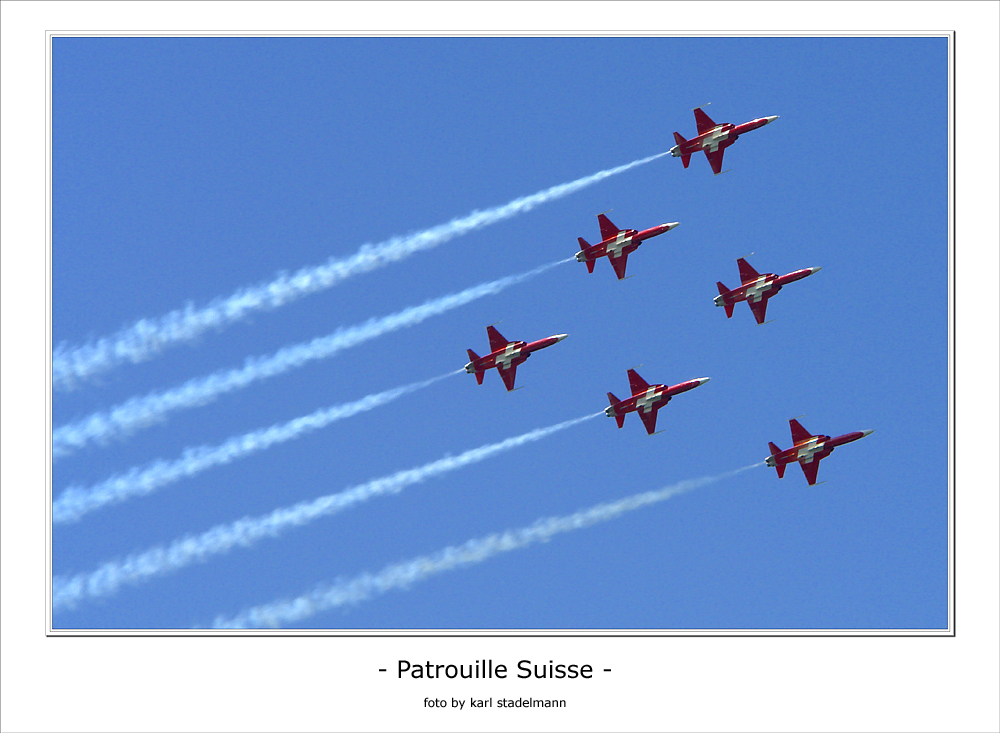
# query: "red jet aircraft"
{"type": "Point", "coordinates": [713, 138]}
{"type": "Point", "coordinates": [808, 450]}
{"type": "Point", "coordinates": [617, 244]}
{"type": "Point", "coordinates": [646, 399]}
{"type": "Point", "coordinates": [756, 288]}
{"type": "Point", "coordinates": [506, 355]}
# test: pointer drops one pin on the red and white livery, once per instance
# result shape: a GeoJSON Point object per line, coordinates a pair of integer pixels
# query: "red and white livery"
{"type": "Point", "coordinates": [808, 450]}
{"type": "Point", "coordinates": [756, 289]}
{"type": "Point", "coordinates": [616, 244]}
{"type": "Point", "coordinates": [713, 139]}
{"type": "Point", "coordinates": [505, 356]}
{"type": "Point", "coordinates": [646, 399]}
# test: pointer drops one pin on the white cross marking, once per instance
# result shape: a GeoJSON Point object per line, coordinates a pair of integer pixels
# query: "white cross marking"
{"type": "Point", "coordinates": [756, 291]}
{"type": "Point", "coordinates": [615, 248]}
{"type": "Point", "coordinates": [807, 452]}
{"type": "Point", "coordinates": [648, 399]}
{"type": "Point", "coordinates": [509, 354]}
{"type": "Point", "coordinates": [714, 139]}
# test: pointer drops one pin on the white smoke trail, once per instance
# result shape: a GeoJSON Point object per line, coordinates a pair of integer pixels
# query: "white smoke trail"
{"type": "Point", "coordinates": [140, 412]}
{"type": "Point", "coordinates": [76, 501]}
{"type": "Point", "coordinates": [145, 338]}
{"type": "Point", "coordinates": [404, 574]}
{"type": "Point", "coordinates": [108, 578]}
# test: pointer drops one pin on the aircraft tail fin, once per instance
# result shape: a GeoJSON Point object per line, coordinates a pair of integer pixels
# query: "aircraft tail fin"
{"type": "Point", "coordinates": [780, 468]}
{"type": "Point", "coordinates": [679, 139]}
{"type": "Point", "coordinates": [474, 357]}
{"type": "Point", "coordinates": [620, 419]}
{"type": "Point", "coordinates": [724, 291]}
{"type": "Point", "coordinates": [584, 245]}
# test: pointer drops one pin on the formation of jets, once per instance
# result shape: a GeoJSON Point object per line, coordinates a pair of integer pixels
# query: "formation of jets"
{"type": "Point", "coordinates": [756, 289]}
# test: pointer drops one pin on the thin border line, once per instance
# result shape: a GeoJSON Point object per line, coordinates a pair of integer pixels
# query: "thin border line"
{"type": "Point", "coordinates": [522, 633]}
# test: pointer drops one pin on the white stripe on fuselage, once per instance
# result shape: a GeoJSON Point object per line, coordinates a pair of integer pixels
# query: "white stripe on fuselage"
{"type": "Point", "coordinates": [648, 400]}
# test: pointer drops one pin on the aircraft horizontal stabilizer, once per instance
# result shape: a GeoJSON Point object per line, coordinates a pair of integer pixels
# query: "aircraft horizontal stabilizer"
{"type": "Point", "coordinates": [584, 245]}
{"type": "Point", "coordinates": [780, 468]}
{"type": "Point", "coordinates": [619, 418]}
{"type": "Point", "coordinates": [724, 291]}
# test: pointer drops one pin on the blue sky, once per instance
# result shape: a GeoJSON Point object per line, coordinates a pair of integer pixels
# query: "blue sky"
{"type": "Point", "coordinates": [185, 169]}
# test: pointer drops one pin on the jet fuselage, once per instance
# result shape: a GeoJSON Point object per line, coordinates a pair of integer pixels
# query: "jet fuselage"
{"type": "Point", "coordinates": [514, 353]}
{"type": "Point", "coordinates": [762, 288]}
{"type": "Point", "coordinates": [719, 137]}
{"type": "Point", "coordinates": [653, 398]}
{"type": "Point", "coordinates": [814, 448]}
{"type": "Point", "coordinates": [624, 242]}
{"type": "Point", "coordinates": [808, 450]}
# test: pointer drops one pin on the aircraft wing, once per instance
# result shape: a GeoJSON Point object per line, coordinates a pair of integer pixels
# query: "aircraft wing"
{"type": "Point", "coordinates": [508, 375]}
{"type": "Point", "coordinates": [810, 470]}
{"type": "Point", "coordinates": [703, 121]}
{"type": "Point", "coordinates": [747, 273]}
{"type": "Point", "coordinates": [799, 433]}
{"type": "Point", "coordinates": [715, 160]}
{"type": "Point", "coordinates": [619, 264]}
{"type": "Point", "coordinates": [497, 341]}
{"type": "Point", "coordinates": [649, 419]}
{"type": "Point", "coordinates": [608, 230]}
{"type": "Point", "coordinates": [758, 308]}
{"type": "Point", "coordinates": [637, 383]}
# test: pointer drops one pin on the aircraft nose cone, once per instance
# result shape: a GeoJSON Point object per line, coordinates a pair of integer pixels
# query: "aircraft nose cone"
{"type": "Point", "coordinates": [771, 119]}
{"type": "Point", "coordinates": [866, 432]}
{"type": "Point", "coordinates": [702, 380]}
{"type": "Point", "coordinates": [560, 336]}
{"type": "Point", "coordinates": [814, 270]}
{"type": "Point", "coordinates": [672, 225]}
